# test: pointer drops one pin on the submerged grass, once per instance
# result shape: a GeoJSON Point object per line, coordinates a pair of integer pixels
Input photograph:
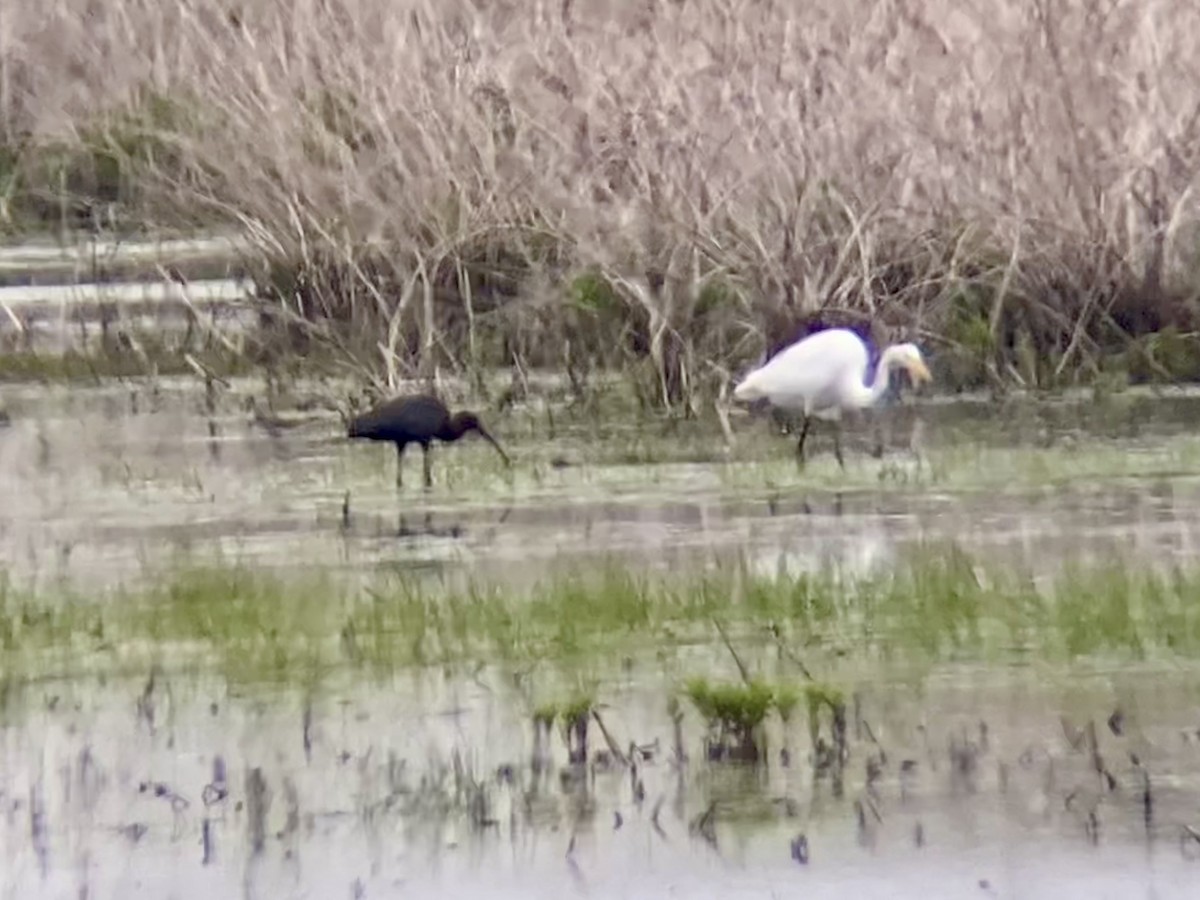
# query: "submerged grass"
{"type": "Point", "coordinates": [254, 627]}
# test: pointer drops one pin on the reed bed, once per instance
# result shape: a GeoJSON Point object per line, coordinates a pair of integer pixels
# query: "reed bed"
{"type": "Point", "coordinates": [671, 189]}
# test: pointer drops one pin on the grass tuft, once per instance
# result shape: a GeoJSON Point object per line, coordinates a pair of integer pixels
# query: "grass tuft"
{"type": "Point", "coordinates": [734, 713]}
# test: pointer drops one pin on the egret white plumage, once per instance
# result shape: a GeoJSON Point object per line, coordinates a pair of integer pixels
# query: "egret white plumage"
{"type": "Point", "coordinates": [824, 374]}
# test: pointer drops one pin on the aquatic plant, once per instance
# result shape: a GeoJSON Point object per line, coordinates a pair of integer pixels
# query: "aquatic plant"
{"type": "Point", "coordinates": [734, 713]}
{"type": "Point", "coordinates": [260, 627]}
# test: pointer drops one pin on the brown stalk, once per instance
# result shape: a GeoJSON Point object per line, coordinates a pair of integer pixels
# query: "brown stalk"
{"type": "Point", "coordinates": [858, 157]}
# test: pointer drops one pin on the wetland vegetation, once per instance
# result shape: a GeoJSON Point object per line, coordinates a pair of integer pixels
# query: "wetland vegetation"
{"type": "Point", "coordinates": [260, 628]}
{"type": "Point", "coordinates": [240, 642]}
{"type": "Point", "coordinates": [654, 656]}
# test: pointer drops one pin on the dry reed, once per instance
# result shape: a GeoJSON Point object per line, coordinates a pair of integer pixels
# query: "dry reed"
{"type": "Point", "coordinates": [668, 187]}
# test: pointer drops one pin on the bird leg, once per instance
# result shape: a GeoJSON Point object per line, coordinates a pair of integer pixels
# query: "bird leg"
{"type": "Point", "coordinates": [399, 465]}
{"type": "Point", "coordinates": [837, 444]}
{"type": "Point", "coordinates": [800, 444]}
{"type": "Point", "coordinates": [428, 474]}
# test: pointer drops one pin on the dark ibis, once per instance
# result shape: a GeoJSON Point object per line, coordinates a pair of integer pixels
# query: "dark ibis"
{"type": "Point", "coordinates": [417, 419]}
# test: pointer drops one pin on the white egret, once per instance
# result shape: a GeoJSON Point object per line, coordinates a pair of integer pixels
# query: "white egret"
{"type": "Point", "coordinates": [823, 374]}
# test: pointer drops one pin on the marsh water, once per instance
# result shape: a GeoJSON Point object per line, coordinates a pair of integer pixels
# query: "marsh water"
{"type": "Point", "coordinates": [101, 481]}
{"type": "Point", "coordinates": [965, 777]}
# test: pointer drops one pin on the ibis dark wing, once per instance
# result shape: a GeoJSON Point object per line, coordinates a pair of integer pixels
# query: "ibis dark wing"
{"type": "Point", "coordinates": [403, 419]}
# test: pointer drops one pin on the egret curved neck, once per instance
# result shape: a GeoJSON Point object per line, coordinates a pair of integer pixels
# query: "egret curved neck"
{"type": "Point", "coordinates": [868, 395]}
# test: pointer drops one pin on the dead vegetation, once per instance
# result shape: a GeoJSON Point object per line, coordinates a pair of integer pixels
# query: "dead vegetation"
{"type": "Point", "coordinates": [664, 188]}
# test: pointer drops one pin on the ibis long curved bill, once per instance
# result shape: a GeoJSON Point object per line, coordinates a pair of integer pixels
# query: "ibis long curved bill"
{"type": "Point", "coordinates": [487, 436]}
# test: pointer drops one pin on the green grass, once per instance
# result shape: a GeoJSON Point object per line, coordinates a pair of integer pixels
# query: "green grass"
{"type": "Point", "coordinates": [257, 628]}
{"type": "Point", "coordinates": [735, 712]}
{"type": "Point", "coordinates": [737, 708]}
{"type": "Point", "coordinates": [566, 711]}
{"type": "Point", "coordinates": [159, 358]}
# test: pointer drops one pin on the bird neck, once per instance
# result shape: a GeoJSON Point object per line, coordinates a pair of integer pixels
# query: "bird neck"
{"type": "Point", "coordinates": [455, 427]}
{"type": "Point", "coordinates": [869, 395]}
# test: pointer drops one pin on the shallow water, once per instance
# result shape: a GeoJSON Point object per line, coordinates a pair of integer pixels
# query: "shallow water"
{"type": "Point", "coordinates": [178, 789]}
{"type": "Point", "coordinates": [57, 297]}
{"type": "Point", "coordinates": [178, 783]}
{"type": "Point", "coordinates": [101, 482]}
